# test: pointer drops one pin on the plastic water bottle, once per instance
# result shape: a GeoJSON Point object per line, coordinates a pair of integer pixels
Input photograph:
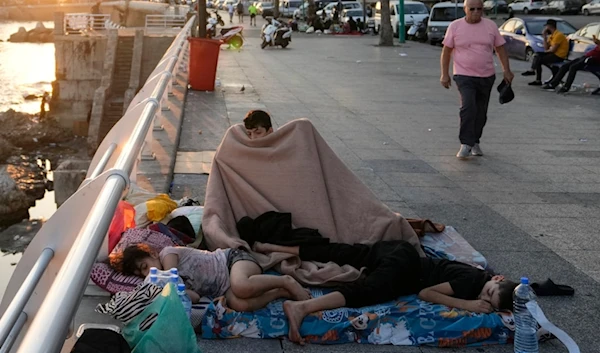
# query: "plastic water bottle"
{"type": "Point", "coordinates": [175, 280]}
{"type": "Point", "coordinates": [174, 271]}
{"type": "Point", "coordinates": [185, 299]}
{"type": "Point", "coordinates": [525, 325]}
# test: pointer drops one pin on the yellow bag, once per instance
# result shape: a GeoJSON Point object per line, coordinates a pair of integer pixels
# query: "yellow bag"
{"type": "Point", "coordinates": [159, 207]}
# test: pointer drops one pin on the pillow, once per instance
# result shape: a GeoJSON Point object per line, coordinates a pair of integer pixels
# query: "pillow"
{"type": "Point", "coordinates": [112, 281]}
{"type": "Point", "coordinates": [193, 213]}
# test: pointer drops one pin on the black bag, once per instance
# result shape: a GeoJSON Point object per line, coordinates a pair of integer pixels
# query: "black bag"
{"type": "Point", "coordinates": [96, 340]}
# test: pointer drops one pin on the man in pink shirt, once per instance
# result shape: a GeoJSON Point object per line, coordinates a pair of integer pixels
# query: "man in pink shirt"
{"type": "Point", "coordinates": [471, 41]}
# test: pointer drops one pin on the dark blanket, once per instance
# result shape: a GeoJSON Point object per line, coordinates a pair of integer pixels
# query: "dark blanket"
{"type": "Point", "coordinates": [276, 228]}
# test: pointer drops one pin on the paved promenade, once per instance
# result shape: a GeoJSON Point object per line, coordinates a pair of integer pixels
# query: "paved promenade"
{"type": "Point", "coordinates": [530, 205]}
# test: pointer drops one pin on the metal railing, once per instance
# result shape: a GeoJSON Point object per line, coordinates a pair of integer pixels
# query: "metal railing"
{"type": "Point", "coordinates": [158, 23]}
{"type": "Point", "coordinates": [45, 291]}
{"type": "Point", "coordinates": [85, 22]}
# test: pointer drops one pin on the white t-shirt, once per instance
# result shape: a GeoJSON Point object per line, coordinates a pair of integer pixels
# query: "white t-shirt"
{"type": "Point", "coordinates": [204, 272]}
{"type": "Point", "coordinates": [230, 8]}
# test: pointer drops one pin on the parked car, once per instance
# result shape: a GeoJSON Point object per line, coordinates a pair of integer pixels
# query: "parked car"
{"type": "Point", "coordinates": [524, 35]}
{"type": "Point", "coordinates": [414, 12]}
{"type": "Point", "coordinates": [495, 6]}
{"type": "Point", "coordinates": [356, 14]}
{"type": "Point", "coordinates": [287, 7]}
{"type": "Point", "coordinates": [560, 7]}
{"type": "Point", "coordinates": [442, 14]}
{"type": "Point", "coordinates": [525, 6]}
{"type": "Point", "coordinates": [264, 8]}
{"type": "Point", "coordinates": [302, 11]}
{"type": "Point", "coordinates": [582, 39]}
{"type": "Point", "coordinates": [593, 8]}
{"type": "Point", "coordinates": [348, 5]}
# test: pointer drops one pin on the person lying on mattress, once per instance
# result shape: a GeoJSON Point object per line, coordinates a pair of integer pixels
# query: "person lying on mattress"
{"type": "Point", "coordinates": [230, 272]}
{"type": "Point", "coordinates": [257, 124]}
{"type": "Point", "coordinates": [394, 269]}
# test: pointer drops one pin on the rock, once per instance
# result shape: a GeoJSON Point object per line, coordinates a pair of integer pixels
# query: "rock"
{"type": "Point", "coordinates": [6, 149]}
{"type": "Point", "coordinates": [19, 37]}
{"type": "Point", "coordinates": [40, 34]}
{"type": "Point", "coordinates": [26, 230]}
{"type": "Point", "coordinates": [21, 130]}
{"type": "Point", "coordinates": [15, 202]}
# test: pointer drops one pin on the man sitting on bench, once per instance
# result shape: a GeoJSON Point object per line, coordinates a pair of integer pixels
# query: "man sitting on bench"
{"type": "Point", "coordinates": [591, 57]}
{"type": "Point", "coordinates": [556, 49]}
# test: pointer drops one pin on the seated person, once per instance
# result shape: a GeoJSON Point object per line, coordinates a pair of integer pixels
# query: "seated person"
{"type": "Point", "coordinates": [556, 49]}
{"type": "Point", "coordinates": [257, 124]}
{"type": "Point", "coordinates": [352, 23]}
{"type": "Point", "coordinates": [230, 272]}
{"type": "Point", "coordinates": [393, 269]}
{"type": "Point", "coordinates": [591, 57]}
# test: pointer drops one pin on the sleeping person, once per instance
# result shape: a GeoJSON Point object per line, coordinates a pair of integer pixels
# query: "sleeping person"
{"type": "Point", "coordinates": [394, 269]}
{"type": "Point", "coordinates": [230, 272]}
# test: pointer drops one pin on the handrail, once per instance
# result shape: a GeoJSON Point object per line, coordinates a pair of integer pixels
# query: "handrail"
{"type": "Point", "coordinates": [50, 323]}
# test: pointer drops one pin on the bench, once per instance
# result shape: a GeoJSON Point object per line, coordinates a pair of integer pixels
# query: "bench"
{"type": "Point", "coordinates": [594, 69]}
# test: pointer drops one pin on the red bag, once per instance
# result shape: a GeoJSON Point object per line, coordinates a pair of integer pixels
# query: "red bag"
{"type": "Point", "coordinates": [123, 219]}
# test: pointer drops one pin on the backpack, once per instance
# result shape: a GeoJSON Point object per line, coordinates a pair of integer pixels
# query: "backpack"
{"type": "Point", "coordinates": [240, 7]}
{"type": "Point", "coordinates": [101, 341]}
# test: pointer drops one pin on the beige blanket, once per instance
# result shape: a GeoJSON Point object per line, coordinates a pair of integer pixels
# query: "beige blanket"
{"type": "Point", "coordinates": [294, 170]}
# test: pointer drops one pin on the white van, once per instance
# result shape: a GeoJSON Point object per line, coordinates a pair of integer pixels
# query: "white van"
{"type": "Point", "coordinates": [442, 14]}
{"type": "Point", "coordinates": [414, 12]}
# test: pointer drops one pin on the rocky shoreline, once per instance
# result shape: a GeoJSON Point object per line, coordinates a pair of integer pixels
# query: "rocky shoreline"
{"type": "Point", "coordinates": [24, 142]}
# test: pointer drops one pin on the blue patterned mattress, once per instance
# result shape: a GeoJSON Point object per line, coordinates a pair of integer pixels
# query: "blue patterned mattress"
{"type": "Point", "coordinates": [405, 321]}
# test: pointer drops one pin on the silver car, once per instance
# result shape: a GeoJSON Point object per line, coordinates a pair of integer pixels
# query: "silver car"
{"type": "Point", "coordinates": [591, 8]}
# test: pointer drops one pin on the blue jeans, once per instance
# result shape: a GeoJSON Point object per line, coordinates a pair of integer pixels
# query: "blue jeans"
{"type": "Point", "coordinates": [474, 99]}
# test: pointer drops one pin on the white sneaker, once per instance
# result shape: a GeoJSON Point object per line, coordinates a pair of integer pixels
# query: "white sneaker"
{"type": "Point", "coordinates": [464, 152]}
{"type": "Point", "coordinates": [476, 150]}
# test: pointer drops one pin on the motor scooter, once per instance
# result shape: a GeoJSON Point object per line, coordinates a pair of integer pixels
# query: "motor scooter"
{"type": "Point", "coordinates": [275, 34]}
{"type": "Point", "coordinates": [231, 36]}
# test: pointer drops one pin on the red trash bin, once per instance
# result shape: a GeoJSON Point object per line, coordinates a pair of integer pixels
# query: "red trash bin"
{"type": "Point", "coordinates": [204, 55]}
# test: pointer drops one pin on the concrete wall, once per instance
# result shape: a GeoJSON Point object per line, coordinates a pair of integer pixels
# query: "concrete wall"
{"type": "Point", "coordinates": [154, 49]}
{"type": "Point", "coordinates": [79, 67]}
{"type": "Point", "coordinates": [79, 71]}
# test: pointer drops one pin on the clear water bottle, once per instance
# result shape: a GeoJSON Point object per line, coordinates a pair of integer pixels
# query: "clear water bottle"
{"type": "Point", "coordinates": [174, 279]}
{"type": "Point", "coordinates": [174, 271]}
{"type": "Point", "coordinates": [185, 299]}
{"type": "Point", "coordinates": [525, 325]}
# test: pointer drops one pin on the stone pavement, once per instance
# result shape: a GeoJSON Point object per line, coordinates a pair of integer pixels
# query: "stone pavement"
{"type": "Point", "coordinates": [530, 205]}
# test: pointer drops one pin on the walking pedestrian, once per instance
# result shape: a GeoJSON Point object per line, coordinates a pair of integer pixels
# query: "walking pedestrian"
{"type": "Point", "coordinates": [471, 41]}
{"type": "Point", "coordinates": [240, 11]}
{"type": "Point", "coordinates": [253, 11]}
{"type": "Point", "coordinates": [230, 11]}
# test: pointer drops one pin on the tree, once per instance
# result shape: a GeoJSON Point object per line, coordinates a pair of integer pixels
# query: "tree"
{"type": "Point", "coordinates": [202, 18]}
{"type": "Point", "coordinates": [312, 9]}
{"type": "Point", "coordinates": [386, 33]}
{"type": "Point", "coordinates": [276, 8]}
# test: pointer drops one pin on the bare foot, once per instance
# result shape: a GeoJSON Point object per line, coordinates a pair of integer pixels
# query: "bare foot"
{"type": "Point", "coordinates": [296, 291]}
{"type": "Point", "coordinates": [295, 316]}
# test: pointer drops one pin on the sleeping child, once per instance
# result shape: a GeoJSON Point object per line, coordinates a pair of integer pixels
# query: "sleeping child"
{"type": "Point", "coordinates": [394, 269]}
{"type": "Point", "coordinates": [230, 272]}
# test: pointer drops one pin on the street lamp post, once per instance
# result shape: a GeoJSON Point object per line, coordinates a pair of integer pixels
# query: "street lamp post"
{"type": "Point", "coordinates": [401, 24]}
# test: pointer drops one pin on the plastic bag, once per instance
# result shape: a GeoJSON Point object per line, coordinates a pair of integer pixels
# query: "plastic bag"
{"type": "Point", "coordinates": [123, 219]}
{"type": "Point", "coordinates": [172, 331]}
